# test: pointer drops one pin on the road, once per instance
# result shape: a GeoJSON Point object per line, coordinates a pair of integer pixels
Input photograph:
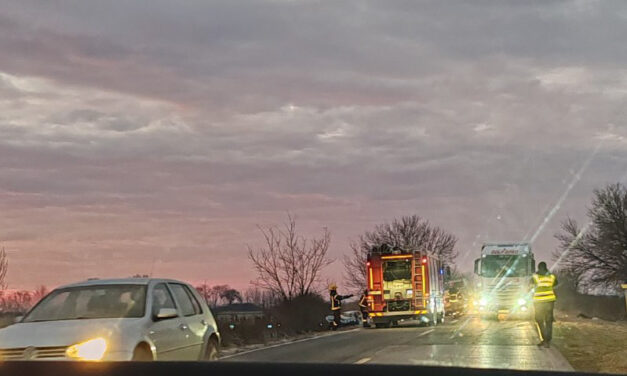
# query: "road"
{"type": "Point", "coordinates": [466, 342]}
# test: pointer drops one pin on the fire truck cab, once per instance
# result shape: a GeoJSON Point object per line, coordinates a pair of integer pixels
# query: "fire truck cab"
{"type": "Point", "coordinates": [404, 284]}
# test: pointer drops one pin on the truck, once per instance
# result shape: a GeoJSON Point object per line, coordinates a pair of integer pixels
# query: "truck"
{"type": "Point", "coordinates": [404, 285]}
{"type": "Point", "coordinates": [503, 275]}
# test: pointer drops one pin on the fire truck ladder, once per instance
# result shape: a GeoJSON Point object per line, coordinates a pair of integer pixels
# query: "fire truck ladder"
{"type": "Point", "coordinates": [420, 294]}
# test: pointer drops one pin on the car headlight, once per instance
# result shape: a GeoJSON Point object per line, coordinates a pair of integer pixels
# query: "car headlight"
{"type": "Point", "coordinates": [522, 302]}
{"type": "Point", "coordinates": [94, 349]}
{"type": "Point", "coordinates": [483, 301]}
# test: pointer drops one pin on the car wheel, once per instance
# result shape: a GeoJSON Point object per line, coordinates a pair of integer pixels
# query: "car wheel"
{"type": "Point", "coordinates": [142, 354]}
{"type": "Point", "coordinates": [211, 352]}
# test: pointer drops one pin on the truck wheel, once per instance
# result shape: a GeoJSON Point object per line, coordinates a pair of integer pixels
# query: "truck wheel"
{"type": "Point", "coordinates": [394, 323]}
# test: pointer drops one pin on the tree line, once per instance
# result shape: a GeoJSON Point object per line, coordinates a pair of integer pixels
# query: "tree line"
{"type": "Point", "coordinates": [290, 265]}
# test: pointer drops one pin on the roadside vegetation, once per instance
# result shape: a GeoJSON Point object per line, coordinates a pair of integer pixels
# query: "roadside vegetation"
{"type": "Point", "coordinates": [592, 345]}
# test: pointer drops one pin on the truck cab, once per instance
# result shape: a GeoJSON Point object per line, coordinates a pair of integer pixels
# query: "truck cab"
{"type": "Point", "coordinates": [502, 274]}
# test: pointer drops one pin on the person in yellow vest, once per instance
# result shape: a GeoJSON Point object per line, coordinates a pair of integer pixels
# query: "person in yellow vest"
{"type": "Point", "coordinates": [336, 305]}
{"type": "Point", "coordinates": [544, 282]}
{"type": "Point", "coordinates": [363, 307]}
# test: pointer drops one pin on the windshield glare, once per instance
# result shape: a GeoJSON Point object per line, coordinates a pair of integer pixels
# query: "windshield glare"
{"type": "Point", "coordinates": [91, 302]}
{"type": "Point", "coordinates": [503, 266]}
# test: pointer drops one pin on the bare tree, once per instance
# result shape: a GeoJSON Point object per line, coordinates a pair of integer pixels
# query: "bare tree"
{"type": "Point", "coordinates": [289, 265]}
{"type": "Point", "coordinates": [257, 296]}
{"type": "Point", "coordinates": [597, 256]}
{"type": "Point", "coordinates": [39, 293]}
{"type": "Point", "coordinates": [205, 291]}
{"type": "Point", "coordinates": [4, 267]}
{"type": "Point", "coordinates": [216, 293]}
{"type": "Point", "coordinates": [410, 233]}
{"type": "Point", "coordinates": [231, 295]}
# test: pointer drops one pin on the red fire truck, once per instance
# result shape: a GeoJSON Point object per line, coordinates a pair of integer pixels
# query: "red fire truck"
{"type": "Point", "coordinates": [404, 284]}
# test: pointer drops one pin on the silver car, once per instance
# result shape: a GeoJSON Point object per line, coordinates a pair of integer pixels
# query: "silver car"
{"type": "Point", "coordinates": [121, 319]}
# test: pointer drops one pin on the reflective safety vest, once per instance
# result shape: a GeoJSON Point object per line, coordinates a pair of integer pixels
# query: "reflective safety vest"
{"type": "Point", "coordinates": [335, 303]}
{"type": "Point", "coordinates": [363, 303]}
{"type": "Point", "coordinates": [543, 291]}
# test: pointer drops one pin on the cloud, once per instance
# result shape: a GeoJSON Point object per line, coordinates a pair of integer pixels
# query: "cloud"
{"type": "Point", "coordinates": [158, 133]}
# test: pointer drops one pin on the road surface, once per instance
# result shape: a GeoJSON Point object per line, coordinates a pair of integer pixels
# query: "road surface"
{"type": "Point", "coordinates": [466, 342]}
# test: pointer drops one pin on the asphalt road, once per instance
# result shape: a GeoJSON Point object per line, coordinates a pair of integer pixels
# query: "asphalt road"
{"type": "Point", "coordinates": [466, 342]}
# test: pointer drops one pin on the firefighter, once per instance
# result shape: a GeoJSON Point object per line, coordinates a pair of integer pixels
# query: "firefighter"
{"type": "Point", "coordinates": [336, 305]}
{"type": "Point", "coordinates": [543, 282]}
{"type": "Point", "coordinates": [363, 307]}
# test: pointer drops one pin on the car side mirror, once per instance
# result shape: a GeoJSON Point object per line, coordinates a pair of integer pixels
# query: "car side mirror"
{"type": "Point", "coordinates": [478, 266]}
{"type": "Point", "coordinates": [17, 319]}
{"type": "Point", "coordinates": [166, 313]}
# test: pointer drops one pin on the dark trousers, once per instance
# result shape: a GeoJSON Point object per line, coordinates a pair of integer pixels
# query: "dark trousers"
{"type": "Point", "coordinates": [544, 319]}
{"type": "Point", "coordinates": [337, 318]}
{"type": "Point", "coordinates": [364, 316]}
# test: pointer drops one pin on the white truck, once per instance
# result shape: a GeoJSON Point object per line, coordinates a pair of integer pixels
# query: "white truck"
{"type": "Point", "coordinates": [503, 274]}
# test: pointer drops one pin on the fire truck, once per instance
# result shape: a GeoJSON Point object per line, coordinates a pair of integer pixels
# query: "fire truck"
{"type": "Point", "coordinates": [404, 284]}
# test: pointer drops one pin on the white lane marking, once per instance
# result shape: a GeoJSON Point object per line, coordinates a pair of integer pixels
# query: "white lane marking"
{"type": "Point", "coordinates": [362, 361]}
{"type": "Point", "coordinates": [425, 333]}
{"type": "Point", "coordinates": [288, 343]}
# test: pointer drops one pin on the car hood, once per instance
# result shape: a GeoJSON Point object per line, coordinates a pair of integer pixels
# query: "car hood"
{"type": "Point", "coordinates": [63, 332]}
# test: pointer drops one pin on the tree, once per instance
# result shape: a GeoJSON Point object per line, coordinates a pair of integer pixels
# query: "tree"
{"type": "Point", "coordinates": [596, 255]}
{"type": "Point", "coordinates": [205, 291]}
{"type": "Point", "coordinates": [39, 293]}
{"type": "Point", "coordinates": [257, 296]}
{"type": "Point", "coordinates": [4, 267]}
{"type": "Point", "coordinates": [289, 265]}
{"type": "Point", "coordinates": [216, 293]}
{"type": "Point", "coordinates": [408, 232]}
{"type": "Point", "coordinates": [231, 295]}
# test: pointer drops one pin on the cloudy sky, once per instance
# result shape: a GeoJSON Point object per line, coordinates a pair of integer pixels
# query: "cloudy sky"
{"type": "Point", "coordinates": [144, 136]}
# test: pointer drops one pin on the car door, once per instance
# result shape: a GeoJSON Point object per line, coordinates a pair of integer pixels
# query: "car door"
{"type": "Point", "coordinates": [192, 319]}
{"type": "Point", "coordinates": [168, 335]}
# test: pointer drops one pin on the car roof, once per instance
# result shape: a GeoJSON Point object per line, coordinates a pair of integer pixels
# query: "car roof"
{"type": "Point", "coordinates": [119, 281]}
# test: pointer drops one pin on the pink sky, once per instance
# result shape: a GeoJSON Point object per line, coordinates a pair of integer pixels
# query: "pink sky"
{"type": "Point", "coordinates": [156, 136]}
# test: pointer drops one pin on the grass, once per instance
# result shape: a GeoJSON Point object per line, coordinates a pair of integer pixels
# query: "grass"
{"type": "Point", "coordinates": [592, 345]}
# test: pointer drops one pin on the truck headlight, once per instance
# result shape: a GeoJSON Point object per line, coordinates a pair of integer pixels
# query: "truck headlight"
{"type": "Point", "coordinates": [522, 302]}
{"type": "Point", "coordinates": [93, 349]}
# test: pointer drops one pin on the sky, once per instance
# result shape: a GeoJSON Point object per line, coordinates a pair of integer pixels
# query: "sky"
{"type": "Point", "coordinates": [153, 137]}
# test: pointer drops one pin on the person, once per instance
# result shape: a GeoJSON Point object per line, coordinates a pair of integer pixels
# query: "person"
{"type": "Point", "coordinates": [543, 282]}
{"type": "Point", "coordinates": [336, 305]}
{"type": "Point", "coordinates": [363, 307]}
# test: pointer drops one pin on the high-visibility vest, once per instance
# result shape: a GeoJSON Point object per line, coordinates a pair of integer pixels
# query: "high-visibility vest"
{"type": "Point", "coordinates": [335, 303]}
{"type": "Point", "coordinates": [543, 291]}
{"type": "Point", "coordinates": [363, 303]}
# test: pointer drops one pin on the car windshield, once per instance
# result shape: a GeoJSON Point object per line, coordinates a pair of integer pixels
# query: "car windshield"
{"type": "Point", "coordinates": [266, 166]}
{"type": "Point", "coordinates": [91, 302]}
{"type": "Point", "coordinates": [504, 266]}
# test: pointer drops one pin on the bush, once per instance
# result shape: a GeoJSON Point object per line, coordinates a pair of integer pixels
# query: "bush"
{"type": "Point", "coordinates": [302, 314]}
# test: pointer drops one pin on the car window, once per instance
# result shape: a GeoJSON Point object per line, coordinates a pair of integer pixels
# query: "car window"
{"type": "Point", "coordinates": [182, 297]}
{"type": "Point", "coordinates": [161, 298]}
{"type": "Point", "coordinates": [195, 303]}
{"type": "Point", "coordinates": [91, 302]}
